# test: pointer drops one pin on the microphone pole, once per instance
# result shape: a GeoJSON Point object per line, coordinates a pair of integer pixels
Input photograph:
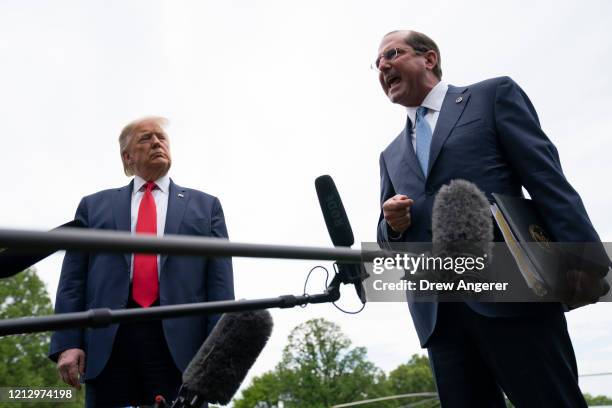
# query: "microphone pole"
{"type": "Point", "coordinates": [121, 242]}
{"type": "Point", "coordinates": [13, 261]}
{"type": "Point", "coordinates": [95, 240]}
{"type": "Point", "coordinates": [104, 317]}
{"type": "Point", "coordinates": [349, 265]}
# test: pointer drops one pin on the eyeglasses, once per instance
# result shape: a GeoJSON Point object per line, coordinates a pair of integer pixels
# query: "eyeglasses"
{"type": "Point", "coordinates": [389, 55]}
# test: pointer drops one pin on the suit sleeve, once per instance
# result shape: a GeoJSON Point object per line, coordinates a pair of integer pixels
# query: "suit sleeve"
{"type": "Point", "coordinates": [71, 292]}
{"type": "Point", "coordinates": [220, 276]}
{"type": "Point", "coordinates": [386, 191]}
{"type": "Point", "coordinates": [535, 159]}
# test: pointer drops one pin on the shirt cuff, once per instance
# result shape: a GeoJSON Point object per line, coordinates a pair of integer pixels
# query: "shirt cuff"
{"type": "Point", "coordinates": [394, 236]}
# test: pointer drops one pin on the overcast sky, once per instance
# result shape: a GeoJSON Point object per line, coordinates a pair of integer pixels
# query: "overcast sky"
{"type": "Point", "coordinates": [263, 97]}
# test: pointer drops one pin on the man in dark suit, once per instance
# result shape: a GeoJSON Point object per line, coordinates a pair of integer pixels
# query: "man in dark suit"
{"type": "Point", "coordinates": [487, 133]}
{"type": "Point", "coordinates": [129, 364]}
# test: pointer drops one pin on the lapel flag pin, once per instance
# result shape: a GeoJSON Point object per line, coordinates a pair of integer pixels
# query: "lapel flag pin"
{"type": "Point", "coordinates": [459, 99]}
{"type": "Point", "coordinates": [181, 195]}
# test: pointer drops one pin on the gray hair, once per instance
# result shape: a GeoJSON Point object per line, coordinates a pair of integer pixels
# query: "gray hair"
{"type": "Point", "coordinates": [126, 136]}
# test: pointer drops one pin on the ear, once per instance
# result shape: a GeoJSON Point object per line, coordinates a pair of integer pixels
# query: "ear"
{"type": "Point", "coordinates": [126, 157]}
{"type": "Point", "coordinates": [431, 59]}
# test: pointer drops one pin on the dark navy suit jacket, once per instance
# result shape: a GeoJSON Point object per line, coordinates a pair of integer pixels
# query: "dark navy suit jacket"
{"type": "Point", "coordinates": [102, 280]}
{"type": "Point", "coordinates": [487, 133]}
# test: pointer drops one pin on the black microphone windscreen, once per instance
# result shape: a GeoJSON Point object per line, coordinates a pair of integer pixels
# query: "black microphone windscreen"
{"type": "Point", "coordinates": [461, 215]}
{"type": "Point", "coordinates": [13, 261]}
{"type": "Point", "coordinates": [335, 216]}
{"type": "Point", "coordinates": [223, 361]}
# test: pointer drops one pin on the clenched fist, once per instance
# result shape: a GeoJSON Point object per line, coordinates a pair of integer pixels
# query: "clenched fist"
{"type": "Point", "coordinates": [396, 211]}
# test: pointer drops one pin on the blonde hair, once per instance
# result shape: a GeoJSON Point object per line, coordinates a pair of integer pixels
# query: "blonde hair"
{"type": "Point", "coordinates": [126, 136]}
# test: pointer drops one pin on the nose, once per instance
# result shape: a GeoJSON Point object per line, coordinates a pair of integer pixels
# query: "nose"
{"type": "Point", "coordinates": [155, 142]}
{"type": "Point", "coordinates": [384, 64]}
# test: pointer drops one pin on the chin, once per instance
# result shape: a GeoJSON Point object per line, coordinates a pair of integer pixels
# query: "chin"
{"type": "Point", "coordinates": [160, 162]}
{"type": "Point", "coordinates": [394, 97]}
{"type": "Point", "coordinates": [160, 167]}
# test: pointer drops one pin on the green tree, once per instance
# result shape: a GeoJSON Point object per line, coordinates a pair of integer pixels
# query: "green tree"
{"type": "Point", "coordinates": [597, 400]}
{"type": "Point", "coordinates": [319, 368]}
{"type": "Point", "coordinates": [415, 376]}
{"type": "Point", "coordinates": [23, 358]}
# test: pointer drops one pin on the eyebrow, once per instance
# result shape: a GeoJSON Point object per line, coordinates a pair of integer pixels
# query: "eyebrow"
{"type": "Point", "coordinates": [151, 132]}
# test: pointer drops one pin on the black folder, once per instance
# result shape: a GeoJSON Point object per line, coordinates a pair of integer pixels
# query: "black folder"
{"type": "Point", "coordinates": [544, 263]}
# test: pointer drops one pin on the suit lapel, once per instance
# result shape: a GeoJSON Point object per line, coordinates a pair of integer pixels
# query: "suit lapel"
{"type": "Point", "coordinates": [455, 101]}
{"type": "Point", "coordinates": [122, 209]}
{"type": "Point", "coordinates": [401, 158]}
{"type": "Point", "coordinates": [177, 202]}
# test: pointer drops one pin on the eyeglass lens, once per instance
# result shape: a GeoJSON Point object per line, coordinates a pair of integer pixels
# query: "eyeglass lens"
{"type": "Point", "coordinates": [388, 55]}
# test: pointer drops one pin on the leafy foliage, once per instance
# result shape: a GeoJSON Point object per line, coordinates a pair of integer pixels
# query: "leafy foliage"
{"type": "Point", "coordinates": [319, 368]}
{"type": "Point", "coordinates": [415, 376]}
{"type": "Point", "coordinates": [597, 400]}
{"type": "Point", "coordinates": [23, 358]}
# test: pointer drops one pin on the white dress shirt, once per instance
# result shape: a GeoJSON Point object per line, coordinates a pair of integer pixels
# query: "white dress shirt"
{"type": "Point", "coordinates": [433, 103]}
{"type": "Point", "coordinates": [160, 195]}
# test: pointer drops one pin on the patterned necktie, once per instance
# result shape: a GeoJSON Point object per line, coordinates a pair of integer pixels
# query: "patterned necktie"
{"type": "Point", "coordinates": [423, 138]}
{"type": "Point", "coordinates": [145, 285]}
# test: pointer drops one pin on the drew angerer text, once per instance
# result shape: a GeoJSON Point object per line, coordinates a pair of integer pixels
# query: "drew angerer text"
{"type": "Point", "coordinates": [425, 285]}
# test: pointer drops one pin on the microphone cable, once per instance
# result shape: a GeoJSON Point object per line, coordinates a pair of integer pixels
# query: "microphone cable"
{"type": "Point", "coordinates": [326, 282]}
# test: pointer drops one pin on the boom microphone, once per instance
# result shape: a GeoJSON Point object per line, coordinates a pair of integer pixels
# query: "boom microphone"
{"type": "Point", "coordinates": [219, 367]}
{"type": "Point", "coordinates": [461, 223]}
{"type": "Point", "coordinates": [340, 231]}
{"type": "Point", "coordinates": [335, 216]}
{"type": "Point", "coordinates": [461, 213]}
{"type": "Point", "coordinates": [14, 261]}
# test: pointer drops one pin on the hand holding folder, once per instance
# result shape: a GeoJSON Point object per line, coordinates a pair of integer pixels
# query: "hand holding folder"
{"type": "Point", "coordinates": [574, 273]}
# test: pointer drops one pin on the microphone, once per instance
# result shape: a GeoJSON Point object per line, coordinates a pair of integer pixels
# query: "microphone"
{"type": "Point", "coordinates": [224, 359]}
{"type": "Point", "coordinates": [13, 261]}
{"type": "Point", "coordinates": [461, 226]}
{"type": "Point", "coordinates": [334, 214]}
{"type": "Point", "coordinates": [340, 232]}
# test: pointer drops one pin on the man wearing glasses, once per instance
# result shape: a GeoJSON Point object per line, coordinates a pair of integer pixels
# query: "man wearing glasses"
{"type": "Point", "coordinates": [487, 133]}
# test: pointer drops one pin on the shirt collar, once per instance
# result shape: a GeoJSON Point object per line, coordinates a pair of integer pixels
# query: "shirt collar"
{"type": "Point", "coordinates": [433, 100]}
{"type": "Point", "coordinates": [162, 183]}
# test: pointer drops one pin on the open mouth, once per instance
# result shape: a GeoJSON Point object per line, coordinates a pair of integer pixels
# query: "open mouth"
{"type": "Point", "coordinates": [393, 80]}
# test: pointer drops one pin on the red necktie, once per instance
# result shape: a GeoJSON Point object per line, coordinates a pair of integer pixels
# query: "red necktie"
{"type": "Point", "coordinates": [145, 285]}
